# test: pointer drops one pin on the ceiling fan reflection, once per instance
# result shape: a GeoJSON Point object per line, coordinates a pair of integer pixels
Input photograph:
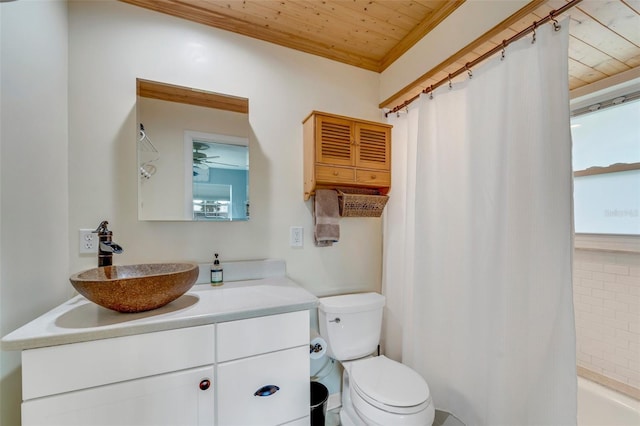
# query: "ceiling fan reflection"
{"type": "Point", "coordinates": [201, 159]}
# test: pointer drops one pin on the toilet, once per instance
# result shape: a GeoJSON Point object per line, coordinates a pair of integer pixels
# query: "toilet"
{"type": "Point", "coordinates": [375, 389]}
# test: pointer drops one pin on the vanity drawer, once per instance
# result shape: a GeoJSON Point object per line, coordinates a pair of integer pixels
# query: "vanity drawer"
{"type": "Point", "coordinates": [239, 381]}
{"type": "Point", "coordinates": [64, 368]}
{"type": "Point", "coordinates": [326, 174]}
{"type": "Point", "coordinates": [373, 177]}
{"type": "Point", "coordinates": [243, 338]}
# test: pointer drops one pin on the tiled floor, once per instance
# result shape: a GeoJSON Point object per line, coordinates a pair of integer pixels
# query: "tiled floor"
{"type": "Point", "coordinates": [332, 418]}
{"type": "Point", "coordinates": [445, 419]}
{"type": "Point", "coordinates": [442, 419]}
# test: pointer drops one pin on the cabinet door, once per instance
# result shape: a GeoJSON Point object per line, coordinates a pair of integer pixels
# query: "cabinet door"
{"type": "Point", "coordinates": [335, 143]}
{"type": "Point", "coordinates": [373, 146]}
{"type": "Point", "coordinates": [269, 389]}
{"type": "Point", "coordinates": [181, 398]}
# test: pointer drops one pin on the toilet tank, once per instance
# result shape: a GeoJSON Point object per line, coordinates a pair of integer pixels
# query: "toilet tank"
{"type": "Point", "coordinates": [351, 324]}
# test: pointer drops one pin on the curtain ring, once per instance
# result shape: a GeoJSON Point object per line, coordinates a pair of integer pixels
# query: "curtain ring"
{"type": "Point", "coordinates": [556, 26]}
{"type": "Point", "coordinates": [466, 66]}
{"type": "Point", "coordinates": [504, 47]}
{"type": "Point", "coordinates": [450, 85]}
{"type": "Point", "coordinates": [535, 25]}
{"type": "Point", "coordinates": [431, 92]}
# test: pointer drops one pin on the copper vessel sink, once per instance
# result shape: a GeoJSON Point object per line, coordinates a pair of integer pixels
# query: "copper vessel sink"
{"type": "Point", "coordinates": [135, 288]}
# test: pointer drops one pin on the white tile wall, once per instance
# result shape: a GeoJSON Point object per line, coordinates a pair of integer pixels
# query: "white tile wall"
{"type": "Point", "coordinates": [606, 293]}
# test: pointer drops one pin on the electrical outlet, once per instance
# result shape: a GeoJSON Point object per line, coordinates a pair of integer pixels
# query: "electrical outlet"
{"type": "Point", "coordinates": [88, 241]}
{"type": "Point", "coordinates": [296, 236]}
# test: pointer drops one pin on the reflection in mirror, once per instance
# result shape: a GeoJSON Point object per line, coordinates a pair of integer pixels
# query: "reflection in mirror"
{"type": "Point", "coordinates": [193, 154]}
{"type": "Point", "coordinates": [219, 169]}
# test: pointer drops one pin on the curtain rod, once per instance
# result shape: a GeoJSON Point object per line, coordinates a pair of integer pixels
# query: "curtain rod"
{"type": "Point", "coordinates": [467, 67]}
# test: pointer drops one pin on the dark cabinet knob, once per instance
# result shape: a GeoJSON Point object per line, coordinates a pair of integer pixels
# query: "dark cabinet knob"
{"type": "Point", "coordinates": [205, 384]}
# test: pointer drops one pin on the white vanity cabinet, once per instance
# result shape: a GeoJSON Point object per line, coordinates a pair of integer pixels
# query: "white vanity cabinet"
{"type": "Point", "coordinates": [162, 378]}
{"type": "Point", "coordinates": [263, 370]}
{"type": "Point", "coordinates": [245, 372]}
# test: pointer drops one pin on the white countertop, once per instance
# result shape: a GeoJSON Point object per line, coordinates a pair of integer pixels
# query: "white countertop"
{"type": "Point", "coordinates": [80, 320]}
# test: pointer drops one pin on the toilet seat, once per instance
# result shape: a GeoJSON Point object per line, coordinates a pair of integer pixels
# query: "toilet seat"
{"type": "Point", "coordinates": [389, 385]}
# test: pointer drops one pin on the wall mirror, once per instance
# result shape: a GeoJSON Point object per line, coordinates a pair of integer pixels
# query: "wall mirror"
{"type": "Point", "coordinates": [193, 154]}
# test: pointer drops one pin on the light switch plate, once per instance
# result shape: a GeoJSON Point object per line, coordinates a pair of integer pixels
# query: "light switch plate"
{"type": "Point", "coordinates": [296, 236]}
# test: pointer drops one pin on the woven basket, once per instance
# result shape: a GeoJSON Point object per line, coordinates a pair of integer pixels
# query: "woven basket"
{"type": "Point", "coordinates": [361, 205]}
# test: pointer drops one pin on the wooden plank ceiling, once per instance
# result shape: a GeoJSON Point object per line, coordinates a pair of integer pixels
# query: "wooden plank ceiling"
{"type": "Point", "coordinates": [369, 34]}
{"type": "Point", "coordinates": [372, 34]}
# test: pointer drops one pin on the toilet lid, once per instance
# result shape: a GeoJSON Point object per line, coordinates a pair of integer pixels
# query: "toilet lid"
{"type": "Point", "coordinates": [389, 382]}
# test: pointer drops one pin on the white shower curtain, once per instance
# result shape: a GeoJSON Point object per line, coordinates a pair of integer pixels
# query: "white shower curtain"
{"type": "Point", "coordinates": [478, 240]}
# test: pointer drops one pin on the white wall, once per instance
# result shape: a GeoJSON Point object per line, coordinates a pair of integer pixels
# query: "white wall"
{"type": "Point", "coordinates": [113, 43]}
{"type": "Point", "coordinates": [606, 288]}
{"type": "Point", "coordinates": [34, 261]}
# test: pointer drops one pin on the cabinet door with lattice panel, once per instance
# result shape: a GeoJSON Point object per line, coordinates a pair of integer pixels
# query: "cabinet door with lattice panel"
{"type": "Point", "coordinates": [373, 146]}
{"type": "Point", "coordinates": [335, 142]}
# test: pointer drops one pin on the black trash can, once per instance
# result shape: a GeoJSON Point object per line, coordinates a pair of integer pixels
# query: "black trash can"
{"type": "Point", "coordinates": [319, 396]}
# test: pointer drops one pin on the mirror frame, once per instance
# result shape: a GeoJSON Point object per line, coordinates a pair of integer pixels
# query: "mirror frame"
{"type": "Point", "coordinates": [187, 95]}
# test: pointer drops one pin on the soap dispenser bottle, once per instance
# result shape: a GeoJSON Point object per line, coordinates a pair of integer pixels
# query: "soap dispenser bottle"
{"type": "Point", "coordinates": [216, 272]}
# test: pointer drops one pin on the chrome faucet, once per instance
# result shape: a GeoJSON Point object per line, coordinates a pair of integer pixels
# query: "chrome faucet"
{"type": "Point", "coordinates": [106, 247]}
